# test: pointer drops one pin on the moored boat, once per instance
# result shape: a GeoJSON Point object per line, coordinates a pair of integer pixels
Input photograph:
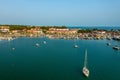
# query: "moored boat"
{"type": "Point", "coordinates": [44, 42]}
{"type": "Point", "coordinates": [37, 44]}
{"type": "Point", "coordinates": [75, 46]}
{"type": "Point", "coordinates": [116, 47]}
{"type": "Point", "coordinates": [108, 44]}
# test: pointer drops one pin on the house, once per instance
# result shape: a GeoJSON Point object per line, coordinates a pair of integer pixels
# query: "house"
{"type": "Point", "coordinates": [61, 31]}
{"type": "Point", "coordinates": [4, 28]}
{"type": "Point", "coordinates": [73, 31]}
{"type": "Point", "coordinates": [35, 30]}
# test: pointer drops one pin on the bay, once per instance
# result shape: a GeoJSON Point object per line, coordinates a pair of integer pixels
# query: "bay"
{"type": "Point", "coordinates": [58, 59]}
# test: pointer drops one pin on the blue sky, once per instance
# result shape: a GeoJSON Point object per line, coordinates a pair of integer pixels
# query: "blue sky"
{"type": "Point", "coordinates": [60, 12]}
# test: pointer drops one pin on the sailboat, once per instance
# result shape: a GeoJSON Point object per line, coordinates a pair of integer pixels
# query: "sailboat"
{"type": "Point", "coordinates": [85, 69]}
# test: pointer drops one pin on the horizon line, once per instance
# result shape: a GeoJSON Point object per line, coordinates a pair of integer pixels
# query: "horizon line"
{"type": "Point", "coordinates": [67, 25]}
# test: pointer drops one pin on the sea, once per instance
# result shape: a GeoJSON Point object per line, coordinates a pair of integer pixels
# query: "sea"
{"type": "Point", "coordinates": [108, 28]}
{"type": "Point", "coordinates": [21, 59]}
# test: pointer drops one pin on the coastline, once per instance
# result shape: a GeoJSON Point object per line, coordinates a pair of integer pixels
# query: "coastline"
{"type": "Point", "coordinates": [10, 32]}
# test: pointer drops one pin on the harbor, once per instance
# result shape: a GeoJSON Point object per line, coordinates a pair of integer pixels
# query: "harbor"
{"type": "Point", "coordinates": [60, 40]}
{"type": "Point", "coordinates": [58, 32]}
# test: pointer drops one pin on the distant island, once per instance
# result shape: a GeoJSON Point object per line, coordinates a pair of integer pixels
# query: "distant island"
{"type": "Point", "coordinates": [8, 32]}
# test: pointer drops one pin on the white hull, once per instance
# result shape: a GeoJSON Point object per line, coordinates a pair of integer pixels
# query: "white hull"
{"type": "Point", "coordinates": [85, 71]}
{"type": "Point", "coordinates": [76, 46]}
{"type": "Point", "coordinates": [44, 42]}
{"type": "Point", "coordinates": [37, 44]}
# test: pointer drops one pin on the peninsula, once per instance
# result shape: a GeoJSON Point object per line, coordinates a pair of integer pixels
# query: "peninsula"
{"type": "Point", "coordinates": [8, 32]}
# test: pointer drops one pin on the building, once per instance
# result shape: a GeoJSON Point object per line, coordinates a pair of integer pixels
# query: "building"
{"type": "Point", "coordinates": [35, 30]}
{"type": "Point", "coordinates": [61, 31]}
{"type": "Point", "coordinates": [4, 28]}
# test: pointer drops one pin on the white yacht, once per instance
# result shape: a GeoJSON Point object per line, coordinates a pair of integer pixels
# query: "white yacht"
{"type": "Point", "coordinates": [85, 69]}
{"type": "Point", "coordinates": [37, 44]}
{"type": "Point", "coordinates": [75, 46]}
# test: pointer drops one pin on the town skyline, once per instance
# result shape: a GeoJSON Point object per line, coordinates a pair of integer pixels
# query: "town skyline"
{"type": "Point", "coordinates": [60, 13]}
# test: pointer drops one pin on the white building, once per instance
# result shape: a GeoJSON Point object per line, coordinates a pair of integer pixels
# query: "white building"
{"type": "Point", "coordinates": [4, 28]}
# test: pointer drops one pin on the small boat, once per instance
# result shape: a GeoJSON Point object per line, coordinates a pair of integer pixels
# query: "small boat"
{"type": "Point", "coordinates": [108, 44]}
{"type": "Point", "coordinates": [75, 46]}
{"type": "Point", "coordinates": [116, 47]}
{"type": "Point", "coordinates": [37, 44]}
{"type": "Point", "coordinates": [109, 38]}
{"type": "Point", "coordinates": [85, 69]}
{"type": "Point", "coordinates": [10, 38]}
{"type": "Point", "coordinates": [44, 42]}
{"type": "Point", "coordinates": [13, 48]}
{"type": "Point", "coordinates": [116, 38]}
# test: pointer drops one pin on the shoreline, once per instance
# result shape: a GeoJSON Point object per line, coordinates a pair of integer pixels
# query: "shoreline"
{"type": "Point", "coordinates": [9, 38]}
{"type": "Point", "coordinates": [9, 32]}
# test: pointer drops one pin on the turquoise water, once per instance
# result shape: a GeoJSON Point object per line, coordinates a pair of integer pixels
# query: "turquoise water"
{"type": "Point", "coordinates": [95, 27]}
{"type": "Point", "coordinates": [58, 59]}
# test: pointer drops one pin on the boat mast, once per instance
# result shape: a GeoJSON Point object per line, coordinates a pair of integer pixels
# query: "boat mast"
{"type": "Point", "coordinates": [85, 61]}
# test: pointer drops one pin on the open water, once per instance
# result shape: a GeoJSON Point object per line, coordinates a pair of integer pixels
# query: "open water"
{"type": "Point", "coordinates": [58, 59]}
